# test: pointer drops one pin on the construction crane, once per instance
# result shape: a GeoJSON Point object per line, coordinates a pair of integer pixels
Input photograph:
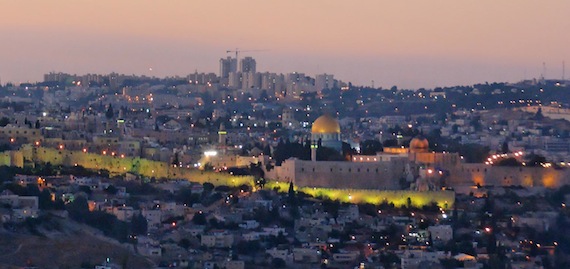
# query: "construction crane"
{"type": "Point", "coordinates": [237, 51]}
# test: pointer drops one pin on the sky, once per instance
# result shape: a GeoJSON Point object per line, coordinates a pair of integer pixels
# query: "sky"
{"type": "Point", "coordinates": [410, 44]}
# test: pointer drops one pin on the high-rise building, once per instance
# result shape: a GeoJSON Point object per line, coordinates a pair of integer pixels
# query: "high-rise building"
{"type": "Point", "coordinates": [298, 84]}
{"type": "Point", "coordinates": [59, 77]}
{"type": "Point", "coordinates": [235, 80]}
{"type": "Point", "coordinates": [324, 81]}
{"type": "Point", "coordinates": [202, 78]}
{"type": "Point", "coordinates": [227, 66]}
{"type": "Point", "coordinates": [247, 64]}
{"type": "Point", "coordinates": [251, 80]}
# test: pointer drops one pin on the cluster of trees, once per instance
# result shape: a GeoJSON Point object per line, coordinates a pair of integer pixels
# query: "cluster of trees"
{"type": "Point", "coordinates": [44, 196]}
{"type": "Point", "coordinates": [78, 210]}
{"type": "Point", "coordinates": [302, 150]}
{"type": "Point", "coordinates": [532, 160]}
{"type": "Point", "coordinates": [287, 149]}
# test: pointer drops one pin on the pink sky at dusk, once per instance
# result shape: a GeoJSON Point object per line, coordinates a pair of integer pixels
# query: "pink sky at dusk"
{"type": "Point", "coordinates": [410, 44]}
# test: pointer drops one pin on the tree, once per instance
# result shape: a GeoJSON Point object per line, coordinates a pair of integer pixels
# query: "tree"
{"type": "Point", "coordinates": [267, 150]}
{"type": "Point", "coordinates": [257, 172]}
{"type": "Point", "coordinates": [291, 194]}
{"type": "Point", "coordinates": [184, 243]}
{"type": "Point", "coordinates": [109, 113]}
{"type": "Point", "coordinates": [4, 121]}
{"type": "Point", "coordinates": [175, 160]}
{"type": "Point", "coordinates": [44, 200]}
{"type": "Point", "coordinates": [328, 154]}
{"type": "Point", "coordinates": [208, 187]}
{"type": "Point", "coordinates": [505, 147]}
{"type": "Point", "coordinates": [248, 247]}
{"type": "Point", "coordinates": [390, 143]}
{"type": "Point", "coordinates": [278, 263]}
{"type": "Point", "coordinates": [111, 190]}
{"type": "Point", "coordinates": [509, 162]}
{"type": "Point", "coordinates": [473, 153]}
{"type": "Point", "coordinates": [264, 96]}
{"type": "Point", "coordinates": [119, 230]}
{"type": "Point", "coordinates": [347, 151]}
{"type": "Point", "coordinates": [455, 128]}
{"type": "Point", "coordinates": [331, 207]}
{"type": "Point", "coordinates": [538, 115]}
{"type": "Point", "coordinates": [535, 160]}
{"type": "Point", "coordinates": [199, 219]}
{"type": "Point", "coordinates": [139, 224]}
{"type": "Point", "coordinates": [86, 189]}
{"type": "Point", "coordinates": [370, 147]}
{"type": "Point", "coordinates": [293, 205]}
{"type": "Point", "coordinates": [78, 209]}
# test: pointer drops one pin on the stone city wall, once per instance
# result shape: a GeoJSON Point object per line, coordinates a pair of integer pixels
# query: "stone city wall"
{"type": "Point", "coordinates": [472, 174]}
{"type": "Point", "coordinates": [399, 198]}
{"type": "Point", "coordinates": [120, 165]}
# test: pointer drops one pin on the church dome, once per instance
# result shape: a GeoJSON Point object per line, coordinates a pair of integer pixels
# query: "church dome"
{"type": "Point", "coordinates": [325, 124]}
{"type": "Point", "coordinates": [419, 144]}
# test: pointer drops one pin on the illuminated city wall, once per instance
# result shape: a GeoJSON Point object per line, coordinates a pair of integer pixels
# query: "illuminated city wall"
{"type": "Point", "coordinates": [509, 176]}
{"type": "Point", "coordinates": [399, 198]}
{"type": "Point", "coordinates": [361, 184]}
{"type": "Point", "coordinates": [120, 165]}
{"type": "Point", "coordinates": [5, 158]}
{"type": "Point", "coordinates": [225, 161]}
{"type": "Point", "coordinates": [12, 158]}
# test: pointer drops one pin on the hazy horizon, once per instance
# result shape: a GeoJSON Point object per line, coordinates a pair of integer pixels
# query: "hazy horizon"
{"type": "Point", "coordinates": [411, 45]}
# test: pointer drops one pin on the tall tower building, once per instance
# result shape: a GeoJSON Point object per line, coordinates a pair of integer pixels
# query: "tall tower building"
{"type": "Point", "coordinates": [222, 137]}
{"type": "Point", "coordinates": [247, 64]}
{"type": "Point", "coordinates": [227, 66]}
{"type": "Point", "coordinates": [235, 80]}
{"type": "Point", "coordinates": [324, 81]}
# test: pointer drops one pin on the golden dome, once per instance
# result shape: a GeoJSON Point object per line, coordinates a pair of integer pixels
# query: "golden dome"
{"type": "Point", "coordinates": [419, 144]}
{"type": "Point", "coordinates": [325, 124]}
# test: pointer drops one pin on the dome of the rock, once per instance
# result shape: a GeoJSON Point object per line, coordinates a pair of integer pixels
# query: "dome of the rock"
{"type": "Point", "coordinates": [325, 124]}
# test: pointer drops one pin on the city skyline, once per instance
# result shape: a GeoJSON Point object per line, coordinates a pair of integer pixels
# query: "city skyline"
{"type": "Point", "coordinates": [413, 45]}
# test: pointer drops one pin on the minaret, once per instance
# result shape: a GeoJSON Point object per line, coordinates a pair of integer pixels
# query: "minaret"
{"type": "Point", "coordinates": [222, 134]}
{"type": "Point", "coordinates": [314, 147]}
{"type": "Point", "coordinates": [121, 123]}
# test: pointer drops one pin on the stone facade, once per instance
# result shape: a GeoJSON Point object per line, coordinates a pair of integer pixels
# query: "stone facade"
{"type": "Point", "coordinates": [336, 174]}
